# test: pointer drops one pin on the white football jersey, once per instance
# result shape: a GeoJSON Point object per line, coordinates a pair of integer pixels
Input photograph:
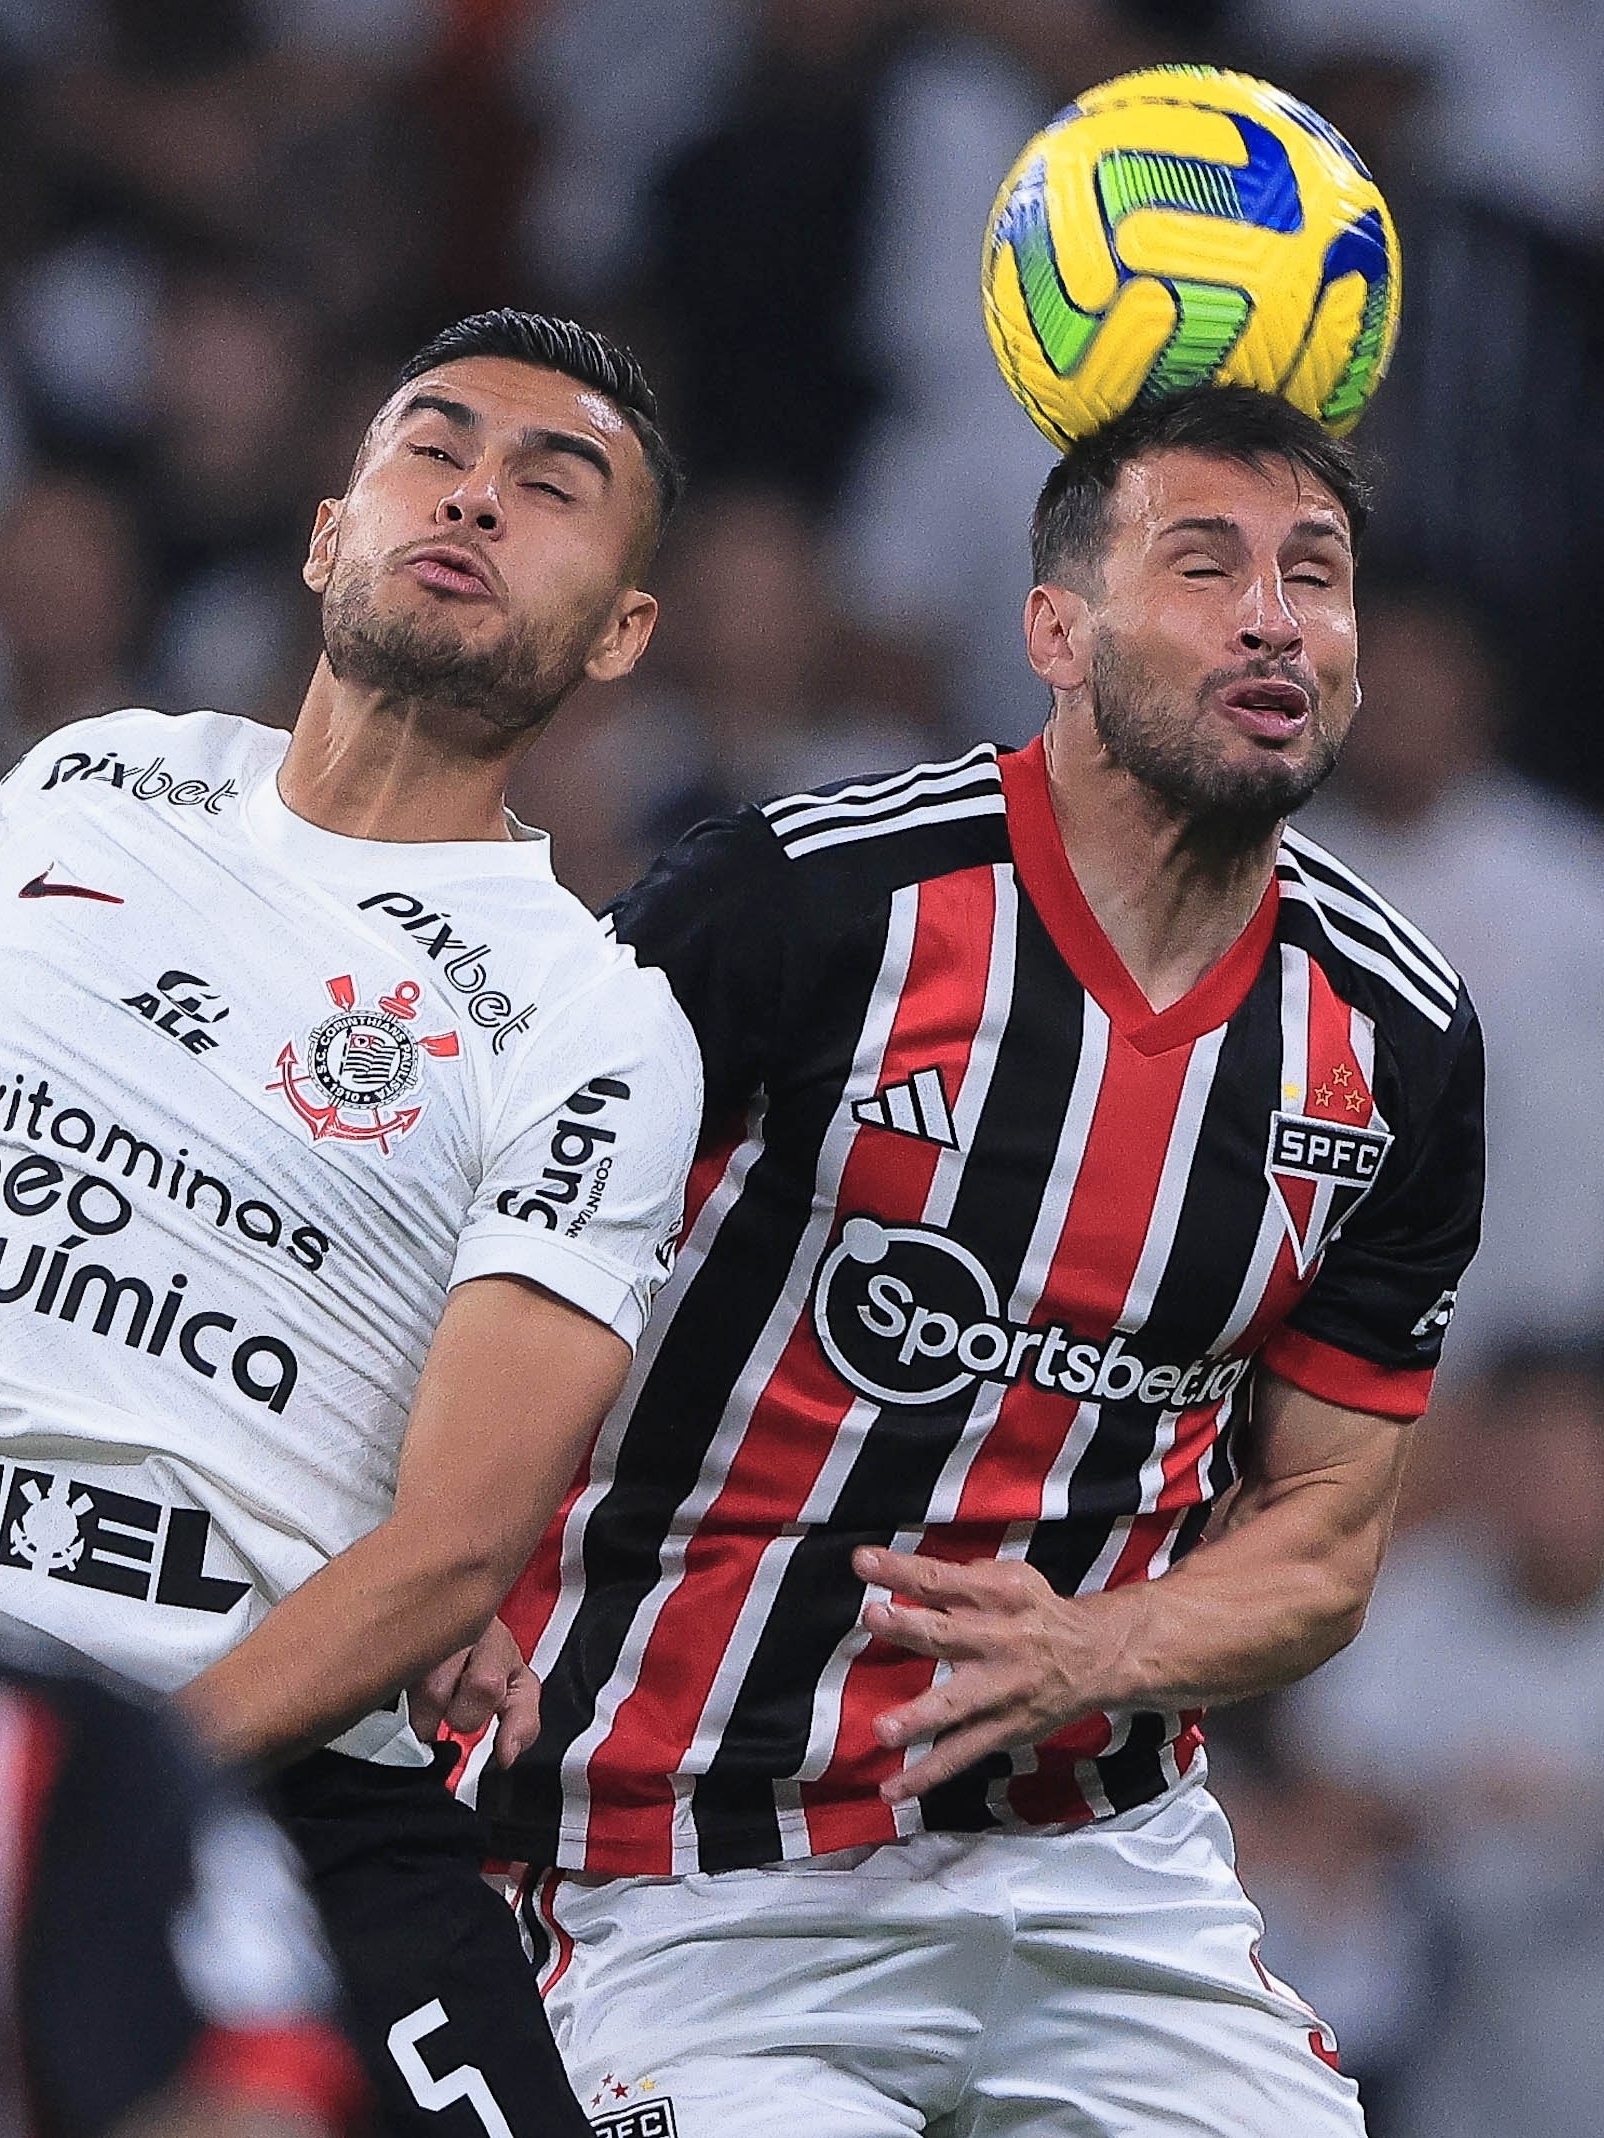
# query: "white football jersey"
{"type": "Point", "coordinates": [266, 1094]}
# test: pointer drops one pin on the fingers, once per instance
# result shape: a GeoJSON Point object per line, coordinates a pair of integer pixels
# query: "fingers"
{"type": "Point", "coordinates": [520, 1717]}
{"type": "Point", "coordinates": [480, 1689]}
{"type": "Point", "coordinates": [951, 1756]}
{"type": "Point", "coordinates": [430, 1696]}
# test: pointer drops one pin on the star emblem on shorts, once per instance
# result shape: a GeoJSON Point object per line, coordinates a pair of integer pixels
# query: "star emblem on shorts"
{"type": "Point", "coordinates": [1354, 1101]}
{"type": "Point", "coordinates": [1342, 1074]}
{"type": "Point", "coordinates": [1325, 1096]}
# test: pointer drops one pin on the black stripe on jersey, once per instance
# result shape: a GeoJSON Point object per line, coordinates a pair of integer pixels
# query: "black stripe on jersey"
{"type": "Point", "coordinates": [1214, 1238]}
{"type": "Point", "coordinates": [930, 797]}
{"type": "Point", "coordinates": [1133, 1776]}
{"type": "Point", "coordinates": [1366, 938]}
{"type": "Point", "coordinates": [1324, 868]}
{"type": "Point", "coordinates": [677, 1415]}
{"type": "Point", "coordinates": [905, 1450]}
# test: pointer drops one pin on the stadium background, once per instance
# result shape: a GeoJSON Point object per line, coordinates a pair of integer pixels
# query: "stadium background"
{"type": "Point", "coordinates": [222, 227]}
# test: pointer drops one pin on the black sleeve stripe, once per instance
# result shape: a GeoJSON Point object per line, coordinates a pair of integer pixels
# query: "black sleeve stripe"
{"type": "Point", "coordinates": [861, 796]}
{"type": "Point", "coordinates": [1327, 872]}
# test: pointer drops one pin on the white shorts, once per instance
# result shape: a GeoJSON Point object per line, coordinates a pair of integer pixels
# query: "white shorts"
{"type": "Point", "coordinates": [1098, 1984]}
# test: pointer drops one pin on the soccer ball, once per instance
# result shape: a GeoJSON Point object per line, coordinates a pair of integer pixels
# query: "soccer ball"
{"type": "Point", "coordinates": [1183, 226]}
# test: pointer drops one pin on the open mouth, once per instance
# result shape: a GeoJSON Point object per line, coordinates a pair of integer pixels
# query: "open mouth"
{"type": "Point", "coordinates": [1272, 710]}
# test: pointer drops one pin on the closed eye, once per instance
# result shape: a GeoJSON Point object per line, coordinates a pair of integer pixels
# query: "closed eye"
{"type": "Point", "coordinates": [551, 490]}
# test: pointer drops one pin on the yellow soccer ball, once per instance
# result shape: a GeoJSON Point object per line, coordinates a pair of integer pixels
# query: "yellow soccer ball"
{"type": "Point", "coordinates": [1183, 226]}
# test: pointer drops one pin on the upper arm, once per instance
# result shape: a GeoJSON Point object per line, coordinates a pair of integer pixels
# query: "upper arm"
{"type": "Point", "coordinates": [582, 1185]}
{"type": "Point", "coordinates": [515, 1383]}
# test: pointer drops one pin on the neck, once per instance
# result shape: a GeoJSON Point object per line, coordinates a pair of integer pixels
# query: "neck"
{"type": "Point", "coordinates": [1169, 898]}
{"type": "Point", "coordinates": [361, 764]}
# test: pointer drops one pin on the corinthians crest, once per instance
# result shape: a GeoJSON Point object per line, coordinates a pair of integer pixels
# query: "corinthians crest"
{"type": "Point", "coordinates": [359, 1063]}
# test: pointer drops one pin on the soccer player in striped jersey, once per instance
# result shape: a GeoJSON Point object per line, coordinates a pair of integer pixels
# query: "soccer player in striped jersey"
{"type": "Point", "coordinates": [1089, 1165]}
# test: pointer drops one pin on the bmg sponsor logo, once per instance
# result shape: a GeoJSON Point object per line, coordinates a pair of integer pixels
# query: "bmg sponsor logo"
{"type": "Point", "coordinates": [907, 1315]}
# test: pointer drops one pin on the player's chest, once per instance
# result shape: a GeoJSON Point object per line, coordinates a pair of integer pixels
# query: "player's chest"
{"type": "Point", "coordinates": [1011, 1188]}
{"type": "Point", "coordinates": [290, 1042]}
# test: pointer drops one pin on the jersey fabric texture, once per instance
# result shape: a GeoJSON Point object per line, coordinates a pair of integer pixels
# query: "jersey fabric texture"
{"type": "Point", "coordinates": [154, 1928]}
{"type": "Point", "coordinates": [266, 1094]}
{"type": "Point", "coordinates": [981, 1251]}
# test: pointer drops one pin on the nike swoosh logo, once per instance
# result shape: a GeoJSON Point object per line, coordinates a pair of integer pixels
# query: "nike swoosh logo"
{"type": "Point", "coordinates": [38, 888]}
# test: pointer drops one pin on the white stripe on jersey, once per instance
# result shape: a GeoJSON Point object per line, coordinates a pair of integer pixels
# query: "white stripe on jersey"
{"type": "Point", "coordinates": [793, 812]}
{"type": "Point", "coordinates": [1176, 1171]}
{"type": "Point", "coordinates": [985, 805]}
{"type": "Point", "coordinates": [604, 1461]}
{"type": "Point", "coordinates": [1373, 960]}
{"type": "Point", "coordinates": [1307, 850]}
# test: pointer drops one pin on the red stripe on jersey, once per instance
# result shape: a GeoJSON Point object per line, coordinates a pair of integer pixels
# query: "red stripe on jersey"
{"type": "Point", "coordinates": [1101, 1242]}
{"type": "Point", "coordinates": [1050, 1795]}
{"type": "Point", "coordinates": [1343, 1378]}
{"type": "Point", "coordinates": [1045, 872]}
{"type": "Point", "coordinates": [795, 1420]}
{"type": "Point", "coordinates": [882, 1677]}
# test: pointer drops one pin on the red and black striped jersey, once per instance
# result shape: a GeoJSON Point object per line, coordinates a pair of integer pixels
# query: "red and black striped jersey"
{"type": "Point", "coordinates": [979, 1254]}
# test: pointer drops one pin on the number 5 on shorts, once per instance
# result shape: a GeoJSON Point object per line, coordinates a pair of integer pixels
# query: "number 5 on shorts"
{"type": "Point", "coordinates": [465, 2083]}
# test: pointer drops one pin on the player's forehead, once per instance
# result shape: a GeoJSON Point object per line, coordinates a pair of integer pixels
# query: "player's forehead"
{"type": "Point", "coordinates": [1181, 489]}
{"type": "Point", "coordinates": [502, 396]}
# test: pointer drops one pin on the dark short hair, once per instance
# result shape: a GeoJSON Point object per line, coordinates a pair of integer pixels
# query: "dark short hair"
{"type": "Point", "coordinates": [578, 353]}
{"type": "Point", "coordinates": [1070, 524]}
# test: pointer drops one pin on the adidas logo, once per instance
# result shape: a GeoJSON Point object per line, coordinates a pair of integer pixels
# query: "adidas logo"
{"type": "Point", "coordinates": [916, 1108]}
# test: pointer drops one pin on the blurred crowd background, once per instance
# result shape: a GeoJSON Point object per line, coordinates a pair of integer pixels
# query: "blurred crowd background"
{"type": "Point", "coordinates": [223, 226]}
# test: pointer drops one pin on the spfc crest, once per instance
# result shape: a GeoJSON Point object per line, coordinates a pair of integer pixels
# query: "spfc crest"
{"type": "Point", "coordinates": [1319, 1173]}
{"type": "Point", "coordinates": [359, 1063]}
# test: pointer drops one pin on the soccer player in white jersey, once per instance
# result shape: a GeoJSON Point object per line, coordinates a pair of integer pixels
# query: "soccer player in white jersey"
{"type": "Point", "coordinates": [341, 1154]}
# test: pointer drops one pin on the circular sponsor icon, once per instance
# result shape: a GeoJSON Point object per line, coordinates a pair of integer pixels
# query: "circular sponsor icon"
{"type": "Point", "coordinates": [906, 1315]}
{"type": "Point", "coordinates": [363, 1058]}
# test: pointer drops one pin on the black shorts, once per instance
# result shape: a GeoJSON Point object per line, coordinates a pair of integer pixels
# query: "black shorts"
{"type": "Point", "coordinates": [442, 2002]}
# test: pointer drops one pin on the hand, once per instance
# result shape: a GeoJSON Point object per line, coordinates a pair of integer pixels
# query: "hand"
{"type": "Point", "coordinates": [465, 1691]}
{"type": "Point", "coordinates": [1025, 1661]}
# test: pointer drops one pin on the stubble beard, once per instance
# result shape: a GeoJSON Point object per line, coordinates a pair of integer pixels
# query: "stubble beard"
{"type": "Point", "coordinates": [418, 664]}
{"type": "Point", "coordinates": [1146, 733]}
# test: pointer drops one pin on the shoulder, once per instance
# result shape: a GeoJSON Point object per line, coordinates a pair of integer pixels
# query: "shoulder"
{"type": "Point", "coordinates": [152, 751]}
{"type": "Point", "coordinates": [925, 821]}
{"type": "Point", "coordinates": [1379, 960]}
{"type": "Point", "coordinates": [593, 992]}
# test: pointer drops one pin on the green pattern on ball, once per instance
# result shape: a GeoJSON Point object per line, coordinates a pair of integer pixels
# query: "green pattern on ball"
{"type": "Point", "coordinates": [1128, 179]}
{"type": "Point", "coordinates": [1356, 380]}
{"type": "Point", "coordinates": [1211, 317]}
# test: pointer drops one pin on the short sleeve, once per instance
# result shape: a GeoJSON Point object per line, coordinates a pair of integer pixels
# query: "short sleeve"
{"type": "Point", "coordinates": [713, 914]}
{"type": "Point", "coordinates": [583, 1185]}
{"type": "Point", "coordinates": [1369, 1331]}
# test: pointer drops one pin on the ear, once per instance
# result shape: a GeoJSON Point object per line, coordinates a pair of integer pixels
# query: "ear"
{"type": "Point", "coordinates": [624, 638]}
{"type": "Point", "coordinates": [1058, 636]}
{"type": "Point", "coordinates": [324, 546]}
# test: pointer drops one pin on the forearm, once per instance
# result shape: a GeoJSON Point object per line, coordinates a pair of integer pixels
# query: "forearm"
{"type": "Point", "coordinates": [346, 1641]}
{"type": "Point", "coordinates": [1269, 1600]}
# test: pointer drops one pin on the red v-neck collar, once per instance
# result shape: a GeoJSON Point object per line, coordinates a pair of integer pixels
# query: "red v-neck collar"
{"type": "Point", "coordinates": [1050, 884]}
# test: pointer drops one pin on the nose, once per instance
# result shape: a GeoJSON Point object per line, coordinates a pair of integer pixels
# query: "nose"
{"type": "Point", "coordinates": [474, 503]}
{"type": "Point", "coordinates": [1268, 625]}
